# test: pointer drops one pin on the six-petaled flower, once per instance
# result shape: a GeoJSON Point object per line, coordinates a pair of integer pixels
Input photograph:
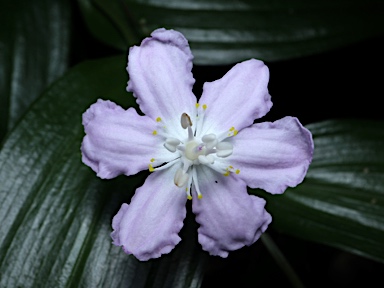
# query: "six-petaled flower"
{"type": "Point", "coordinates": [208, 151]}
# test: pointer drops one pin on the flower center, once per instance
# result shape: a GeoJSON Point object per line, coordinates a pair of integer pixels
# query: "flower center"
{"type": "Point", "coordinates": [195, 151]}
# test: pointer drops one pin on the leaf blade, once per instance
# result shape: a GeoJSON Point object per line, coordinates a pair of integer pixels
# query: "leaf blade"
{"type": "Point", "coordinates": [34, 51]}
{"type": "Point", "coordinates": [223, 32]}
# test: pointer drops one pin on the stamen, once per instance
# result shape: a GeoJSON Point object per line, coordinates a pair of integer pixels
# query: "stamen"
{"type": "Point", "coordinates": [210, 140]}
{"type": "Point", "coordinates": [224, 149]}
{"type": "Point", "coordinates": [165, 166]}
{"type": "Point", "coordinates": [185, 121]}
{"type": "Point", "coordinates": [206, 159]}
{"type": "Point", "coordinates": [200, 117]}
{"type": "Point", "coordinates": [171, 144]}
{"type": "Point", "coordinates": [232, 132]}
{"type": "Point", "coordinates": [181, 178]}
{"type": "Point", "coordinates": [188, 189]}
{"type": "Point", "coordinates": [229, 133]}
{"type": "Point", "coordinates": [161, 128]}
{"type": "Point", "coordinates": [181, 148]}
{"type": "Point", "coordinates": [196, 184]}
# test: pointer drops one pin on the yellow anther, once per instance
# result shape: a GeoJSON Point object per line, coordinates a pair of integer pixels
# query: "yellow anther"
{"type": "Point", "coordinates": [232, 128]}
{"type": "Point", "coordinates": [235, 132]}
{"type": "Point", "coordinates": [199, 196]}
{"type": "Point", "coordinates": [151, 169]}
{"type": "Point", "coordinates": [158, 119]}
{"type": "Point", "coordinates": [237, 171]}
{"type": "Point", "coordinates": [226, 173]}
{"type": "Point", "coordinates": [153, 160]}
{"type": "Point", "coordinates": [154, 132]}
{"type": "Point", "coordinates": [197, 105]}
{"type": "Point", "coordinates": [189, 197]}
{"type": "Point", "coordinates": [230, 167]}
{"type": "Point", "coordinates": [205, 106]}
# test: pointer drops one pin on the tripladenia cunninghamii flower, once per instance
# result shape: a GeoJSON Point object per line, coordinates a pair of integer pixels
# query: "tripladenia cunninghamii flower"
{"type": "Point", "coordinates": [208, 151]}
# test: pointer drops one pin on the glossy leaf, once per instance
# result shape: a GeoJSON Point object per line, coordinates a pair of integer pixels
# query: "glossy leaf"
{"type": "Point", "coordinates": [34, 48]}
{"type": "Point", "coordinates": [222, 32]}
{"type": "Point", "coordinates": [341, 201]}
{"type": "Point", "coordinates": [101, 25]}
{"type": "Point", "coordinates": [56, 214]}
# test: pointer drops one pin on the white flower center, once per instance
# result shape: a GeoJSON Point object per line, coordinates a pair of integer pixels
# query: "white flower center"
{"type": "Point", "coordinates": [194, 151]}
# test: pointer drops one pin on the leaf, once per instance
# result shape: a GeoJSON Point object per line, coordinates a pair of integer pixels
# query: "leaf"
{"type": "Point", "coordinates": [34, 50]}
{"type": "Point", "coordinates": [56, 214]}
{"type": "Point", "coordinates": [101, 25]}
{"type": "Point", "coordinates": [223, 32]}
{"type": "Point", "coordinates": [341, 201]}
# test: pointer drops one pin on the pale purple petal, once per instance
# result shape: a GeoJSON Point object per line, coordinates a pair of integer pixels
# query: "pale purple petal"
{"type": "Point", "coordinates": [120, 141]}
{"type": "Point", "coordinates": [229, 218]}
{"type": "Point", "coordinates": [237, 99]}
{"type": "Point", "coordinates": [148, 227]}
{"type": "Point", "coordinates": [272, 155]}
{"type": "Point", "coordinates": [161, 78]}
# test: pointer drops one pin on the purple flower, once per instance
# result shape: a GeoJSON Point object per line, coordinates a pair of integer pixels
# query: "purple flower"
{"type": "Point", "coordinates": [208, 151]}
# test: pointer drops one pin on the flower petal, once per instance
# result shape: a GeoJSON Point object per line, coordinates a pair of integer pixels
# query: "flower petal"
{"type": "Point", "coordinates": [120, 141]}
{"type": "Point", "coordinates": [237, 99]}
{"type": "Point", "coordinates": [272, 155]}
{"type": "Point", "coordinates": [161, 78]}
{"type": "Point", "coordinates": [149, 225]}
{"type": "Point", "coordinates": [229, 218]}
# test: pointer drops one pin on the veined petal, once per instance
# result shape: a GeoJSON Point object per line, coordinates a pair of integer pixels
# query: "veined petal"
{"type": "Point", "coordinates": [161, 77]}
{"type": "Point", "coordinates": [272, 155]}
{"type": "Point", "coordinates": [229, 218]}
{"type": "Point", "coordinates": [119, 141]}
{"type": "Point", "coordinates": [237, 99]}
{"type": "Point", "coordinates": [148, 227]}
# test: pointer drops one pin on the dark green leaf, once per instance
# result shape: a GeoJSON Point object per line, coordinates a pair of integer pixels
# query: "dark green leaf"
{"type": "Point", "coordinates": [102, 26]}
{"type": "Point", "coordinates": [56, 214]}
{"type": "Point", "coordinates": [34, 48]}
{"type": "Point", "coordinates": [341, 201]}
{"type": "Point", "coordinates": [222, 32]}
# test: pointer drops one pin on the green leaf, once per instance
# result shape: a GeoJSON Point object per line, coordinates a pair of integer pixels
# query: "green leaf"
{"type": "Point", "coordinates": [341, 201]}
{"type": "Point", "coordinates": [34, 48]}
{"type": "Point", "coordinates": [56, 214]}
{"type": "Point", "coordinates": [102, 26]}
{"type": "Point", "coordinates": [222, 32]}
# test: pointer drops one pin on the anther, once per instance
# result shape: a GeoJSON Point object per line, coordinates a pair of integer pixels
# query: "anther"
{"type": "Point", "coordinates": [181, 178]}
{"type": "Point", "coordinates": [185, 121]}
{"type": "Point", "coordinates": [224, 149]}
{"type": "Point", "coordinates": [210, 140]}
{"type": "Point", "coordinates": [171, 144]}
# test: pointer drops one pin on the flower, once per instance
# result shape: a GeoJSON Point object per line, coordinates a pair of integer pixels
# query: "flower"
{"type": "Point", "coordinates": [208, 151]}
